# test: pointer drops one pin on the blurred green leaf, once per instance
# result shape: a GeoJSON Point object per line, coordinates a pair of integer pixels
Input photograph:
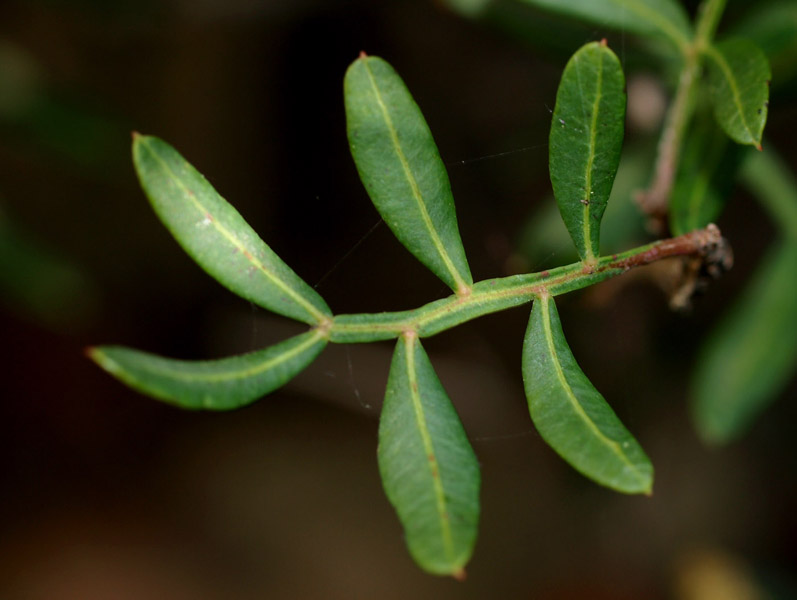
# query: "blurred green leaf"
{"type": "Point", "coordinates": [665, 18]}
{"type": "Point", "coordinates": [401, 169]}
{"type": "Point", "coordinates": [773, 27]}
{"type": "Point", "coordinates": [768, 177]}
{"type": "Point", "coordinates": [221, 384]}
{"type": "Point", "coordinates": [37, 281]}
{"type": "Point", "coordinates": [216, 236]}
{"type": "Point", "coordinates": [429, 471]}
{"type": "Point", "coordinates": [571, 415]}
{"type": "Point", "coordinates": [66, 124]}
{"type": "Point", "coordinates": [552, 33]}
{"type": "Point", "coordinates": [585, 142]}
{"type": "Point", "coordinates": [706, 175]}
{"type": "Point", "coordinates": [468, 8]}
{"type": "Point", "coordinates": [751, 354]}
{"type": "Point", "coordinates": [739, 77]}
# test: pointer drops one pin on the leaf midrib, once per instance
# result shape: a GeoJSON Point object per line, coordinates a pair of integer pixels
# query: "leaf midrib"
{"type": "Point", "coordinates": [409, 342]}
{"type": "Point", "coordinates": [589, 254]}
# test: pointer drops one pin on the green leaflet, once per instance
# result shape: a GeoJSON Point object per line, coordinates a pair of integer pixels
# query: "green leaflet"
{"type": "Point", "coordinates": [221, 384]}
{"type": "Point", "coordinates": [665, 18]}
{"type": "Point", "coordinates": [401, 169]}
{"type": "Point", "coordinates": [739, 77]}
{"type": "Point", "coordinates": [705, 176]}
{"type": "Point", "coordinates": [752, 353]}
{"type": "Point", "coordinates": [429, 471]}
{"type": "Point", "coordinates": [544, 239]}
{"type": "Point", "coordinates": [585, 142]}
{"type": "Point", "coordinates": [571, 415]}
{"type": "Point", "coordinates": [216, 236]}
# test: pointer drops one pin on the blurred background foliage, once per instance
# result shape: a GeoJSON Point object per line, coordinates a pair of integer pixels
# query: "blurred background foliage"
{"type": "Point", "coordinates": [109, 494]}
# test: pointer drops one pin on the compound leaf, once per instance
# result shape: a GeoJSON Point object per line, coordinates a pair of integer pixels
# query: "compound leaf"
{"type": "Point", "coordinates": [739, 77]}
{"type": "Point", "coordinates": [752, 353]}
{"type": "Point", "coordinates": [221, 384]}
{"type": "Point", "coordinates": [429, 471]}
{"type": "Point", "coordinates": [401, 169]}
{"type": "Point", "coordinates": [665, 18]}
{"type": "Point", "coordinates": [571, 415]}
{"type": "Point", "coordinates": [217, 237]}
{"type": "Point", "coordinates": [586, 140]}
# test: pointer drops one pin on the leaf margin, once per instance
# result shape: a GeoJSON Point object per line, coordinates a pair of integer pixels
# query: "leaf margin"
{"type": "Point", "coordinates": [125, 364]}
{"type": "Point", "coordinates": [303, 302]}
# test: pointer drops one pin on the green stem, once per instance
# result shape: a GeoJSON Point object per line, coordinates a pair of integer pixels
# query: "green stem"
{"type": "Point", "coordinates": [708, 18]}
{"type": "Point", "coordinates": [769, 179]}
{"type": "Point", "coordinates": [495, 295]}
{"type": "Point", "coordinates": [654, 201]}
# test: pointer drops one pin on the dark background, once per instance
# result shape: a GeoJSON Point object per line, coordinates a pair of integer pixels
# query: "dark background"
{"type": "Point", "coordinates": [107, 494]}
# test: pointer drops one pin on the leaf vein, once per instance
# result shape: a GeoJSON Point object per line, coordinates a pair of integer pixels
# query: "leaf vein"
{"type": "Point", "coordinates": [587, 223]}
